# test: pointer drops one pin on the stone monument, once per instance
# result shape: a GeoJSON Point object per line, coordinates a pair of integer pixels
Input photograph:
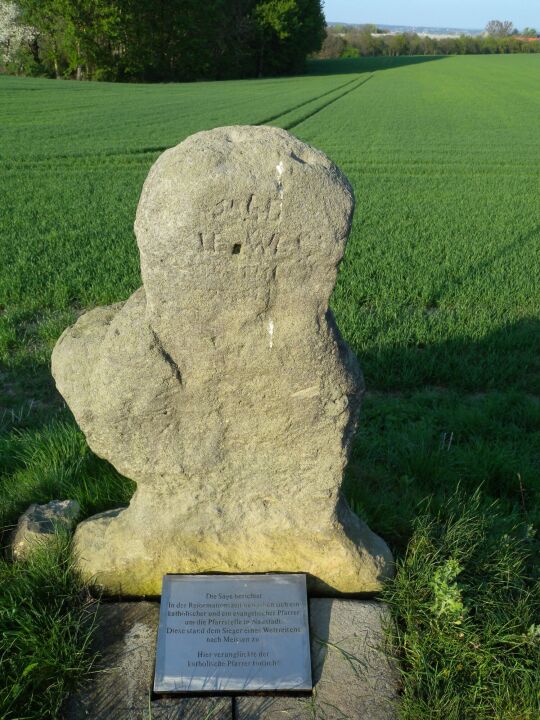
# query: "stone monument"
{"type": "Point", "coordinates": [222, 386]}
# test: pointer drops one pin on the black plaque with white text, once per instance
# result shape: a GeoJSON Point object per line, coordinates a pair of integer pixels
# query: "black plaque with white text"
{"type": "Point", "coordinates": [233, 633]}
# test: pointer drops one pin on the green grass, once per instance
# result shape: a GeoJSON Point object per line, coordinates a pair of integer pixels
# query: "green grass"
{"type": "Point", "coordinates": [45, 631]}
{"type": "Point", "coordinates": [466, 611]}
{"type": "Point", "coordinates": [438, 294]}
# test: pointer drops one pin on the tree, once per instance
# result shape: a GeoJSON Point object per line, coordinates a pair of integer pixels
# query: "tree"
{"type": "Point", "coordinates": [332, 46]}
{"type": "Point", "coordinates": [14, 34]}
{"type": "Point", "coordinates": [397, 44]}
{"type": "Point", "coordinates": [288, 31]}
{"type": "Point", "coordinates": [174, 40]}
{"type": "Point", "coordinates": [529, 32]}
{"type": "Point", "coordinates": [362, 39]}
{"type": "Point", "coordinates": [499, 28]}
{"type": "Point", "coordinates": [166, 40]}
{"type": "Point", "coordinates": [49, 17]}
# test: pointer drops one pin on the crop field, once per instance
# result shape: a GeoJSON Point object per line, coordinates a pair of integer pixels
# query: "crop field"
{"type": "Point", "coordinates": [438, 294]}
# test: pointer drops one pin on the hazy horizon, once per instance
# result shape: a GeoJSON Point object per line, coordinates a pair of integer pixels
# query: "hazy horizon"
{"type": "Point", "coordinates": [460, 14]}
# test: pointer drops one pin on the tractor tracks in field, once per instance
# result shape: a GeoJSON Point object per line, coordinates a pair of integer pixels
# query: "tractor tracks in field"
{"type": "Point", "coordinates": [89, 156]}
{"type": "Point", "coordinates": [289, 126]}
{"type": "Point", "coordinates": [305, 102]}
{"type": "Point", "coordinates": [350, 86]}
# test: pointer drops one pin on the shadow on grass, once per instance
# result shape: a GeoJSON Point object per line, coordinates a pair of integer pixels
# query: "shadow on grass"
{"type": "Point", "coordinates": [28, 396]}
{"type": "Point", "coordinates": [505, 359]}
{"type": "Point", "coordinates": [347, 66]}
{"type": "Point", "coordinates": [43, 454]}
{"type": "Point", "coordinates": [457, 414]}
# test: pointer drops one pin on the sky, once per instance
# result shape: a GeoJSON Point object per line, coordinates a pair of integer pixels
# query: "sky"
{"type": "Point", "coordinates": [469, 14]}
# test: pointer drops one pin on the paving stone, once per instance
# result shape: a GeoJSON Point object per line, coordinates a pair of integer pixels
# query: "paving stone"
{"type": "Point", "coordinates": [354, 677]}
{"type": "Point", "coordinates": [120, 689]}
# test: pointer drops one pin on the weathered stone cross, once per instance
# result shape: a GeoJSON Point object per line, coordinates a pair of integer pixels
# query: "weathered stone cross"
{"type": "Point", "coordinates": [222, 386]}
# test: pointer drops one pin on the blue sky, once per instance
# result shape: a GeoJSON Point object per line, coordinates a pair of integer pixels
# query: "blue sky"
{"type": "Point", "coordinates": [473, 14]}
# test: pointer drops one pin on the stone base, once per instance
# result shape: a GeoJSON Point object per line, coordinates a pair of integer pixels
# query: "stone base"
{"type": "Point", "coordinates": [121, 553]}
{"type": "Point", "coordinates": [353, 676]}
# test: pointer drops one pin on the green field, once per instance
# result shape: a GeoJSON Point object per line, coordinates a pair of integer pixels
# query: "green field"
{"type": "Point", "coordinates": [438, 294]}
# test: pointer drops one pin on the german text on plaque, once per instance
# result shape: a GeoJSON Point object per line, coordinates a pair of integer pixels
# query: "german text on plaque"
{"type": "Point", "coordinates": [233, 633]}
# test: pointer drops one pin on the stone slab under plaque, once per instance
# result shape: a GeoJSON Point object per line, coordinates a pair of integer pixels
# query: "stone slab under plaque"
{"type": "Point", "coordinates": [120, 685]}
{"type": "Point", "coordinates": [233, 634]}
{"type": "Point", "coordinates": [355, 676]}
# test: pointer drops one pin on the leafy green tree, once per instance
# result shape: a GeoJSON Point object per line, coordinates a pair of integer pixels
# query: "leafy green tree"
{"type": "Point", "coordinates": [397, 44]}
{"type": "Point", "coordinates": [332, 47]}
{"type": "Point", "coordinates": [287, 31]}
{"type": "Point", "coordinates": [362, 39]}
{"type": "Point", "coordinates": [49, 18]}
{"type": "Point", "coordinates": [96, 35]}
{"type": "Point", "coordinates": [174, 40]}
{"type": "Point", "coordinates": [74, 36]}
{"type": "Point", "coordinates": [157, 41]}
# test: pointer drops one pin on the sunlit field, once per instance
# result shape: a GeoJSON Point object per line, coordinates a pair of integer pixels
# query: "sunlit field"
{"type": "Point", "coordinates": [438, 294]}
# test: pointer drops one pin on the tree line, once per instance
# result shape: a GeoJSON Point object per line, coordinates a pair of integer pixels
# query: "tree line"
{"type": "Point", "coordinates": [158, 40]}
{"type": "Point", "coordinates": [500, 37]}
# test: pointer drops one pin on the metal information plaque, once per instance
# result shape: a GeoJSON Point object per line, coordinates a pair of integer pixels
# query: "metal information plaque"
{"type": "Point", "coordinates": [225, 633]}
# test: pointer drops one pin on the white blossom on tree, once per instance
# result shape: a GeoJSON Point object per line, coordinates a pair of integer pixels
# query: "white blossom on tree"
{"type": "Point", "coordinates": [13, 33]}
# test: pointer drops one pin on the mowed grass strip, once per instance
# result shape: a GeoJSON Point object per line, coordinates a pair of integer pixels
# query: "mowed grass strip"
{"type": "Point", "coordinates": [438, 294]}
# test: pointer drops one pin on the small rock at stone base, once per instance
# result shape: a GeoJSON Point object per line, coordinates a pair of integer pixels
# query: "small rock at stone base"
{"type": "Point", "coordinates": [39, 524]}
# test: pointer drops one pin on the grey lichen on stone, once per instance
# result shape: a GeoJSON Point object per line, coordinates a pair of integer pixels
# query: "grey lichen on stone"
{"type": "Point", "coordinates": [39, 525]}
{"type": "Point", "coordinates": [223, 387]}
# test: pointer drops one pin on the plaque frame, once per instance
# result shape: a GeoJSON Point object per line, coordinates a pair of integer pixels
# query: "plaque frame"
{"type": "Point", "coordinates": [160, 686]}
